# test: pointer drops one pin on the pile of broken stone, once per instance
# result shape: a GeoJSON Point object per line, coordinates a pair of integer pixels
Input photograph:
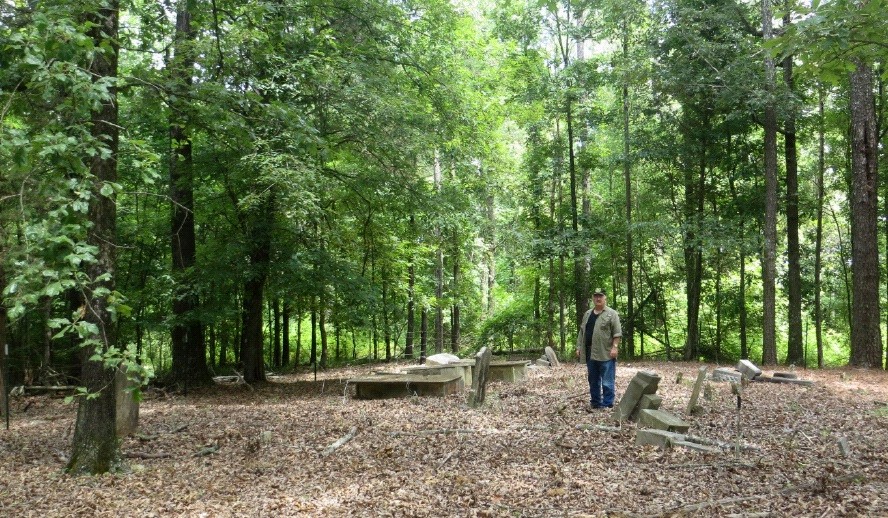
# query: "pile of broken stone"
{"type": "Point", "coordinates": [657, 427]}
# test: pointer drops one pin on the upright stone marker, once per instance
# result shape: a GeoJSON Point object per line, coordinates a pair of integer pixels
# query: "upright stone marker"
{"type": "Point", "coordinates": [695, 395]}
{"type": "Point", "coordinates": [552, 357]}
{"type": "Point", "coordinates": [479, 378]}
{"type": "Point", "coordinates": [127, 406]}
{"type": "Point", "coordinates": [643, 383]}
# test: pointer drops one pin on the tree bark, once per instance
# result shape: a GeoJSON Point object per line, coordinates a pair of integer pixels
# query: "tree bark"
{"type": "Point", "coordinates": [189, 363]}
{"type": "Point", "coordinates": [252, 344]}
{"type": "Point", "coordinates": [769, 253]}
{"type": "Point", "coordinates": [795, 351]}
{"type": "Point", "coordinates": [95, 447]}
{"type": "Point", "coordinates": [628, 341]}
{"type": "Point", "coordinates": [818, 239]}
{"type": "Point", "coordinates": [866, 340]}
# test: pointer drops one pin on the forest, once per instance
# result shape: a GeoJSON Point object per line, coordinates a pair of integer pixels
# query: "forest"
{"type": "Point", "coordinates": [192, 188]}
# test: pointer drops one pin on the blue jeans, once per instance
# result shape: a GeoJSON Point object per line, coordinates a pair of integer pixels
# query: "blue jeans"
{"type": "Point", "coordinates": [601, 382]}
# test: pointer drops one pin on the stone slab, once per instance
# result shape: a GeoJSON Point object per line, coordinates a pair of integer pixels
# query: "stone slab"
{"type": "Point", "coordinates": [442, 359]}
{"type": "Point", "coordinates": [787, 375]}
{"type": "Point", "coordinates": [551, 356]}
{"type": "Point", "coordinates": [451, 369]}
{"type": "Point", "coordinates": [726, 374]}
{"type": "Point", "coordinates": [649, 401]}
{"type": "Point", "coordinates": [661, 420]}
{"type": "Point", "coordinates": [509, 371]}
{"type": "Point", "coordinates": [383, 386]}
{"type": "Point", "coordinates": [127, 412]}
{"type": "Point", "coordinates": [642, 383]}
{"type": "Point", "coordinates": [695, 394]}
{"type": "Point", "coordinates": [804, 383]}
{"type": "Point", "coordinates": [665, 439]}
{"type": "Point", "coordinates": [541, 362]}
{"type": "Point", "coordinates": [748, 369]}
{"type": "Point", "coordinates": [479, 378]}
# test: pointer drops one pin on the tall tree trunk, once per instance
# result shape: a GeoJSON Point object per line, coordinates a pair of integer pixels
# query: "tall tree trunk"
{"type": "Point", "coordinates": [769, 255]}
{"type": "Point", "coordinates": [795, 351]}
{"type": "Point", "coordinates": [454, 310]}
{"type": "Point", "coordinates": [411, 298]}
{"type": "Point", "coordinates": [322, 327]}
{"type": "Point", "coordinates": [386, 329]}
{"type": "Point", "coordinates": [276, 324]}
{"type": "Point", "coordinates": [866, 340]}
{"type": "Point", "coordinates": [252, 345]}
{"type": "Point", "coordinates": [439, 270]}
{"type": "Point", "coordinates": [189, 364]}
{"type": "Point", "coordinates": [818, 240]}
{"type": "Point", "coordinates": [313, 353]}
{"type": "Point", "coordinates": [694, 200]}
{"type": "Point", "coordinates": [285, 324]}
{"type": "Point", "coordinates": [4, 355]}
{"type": "Point", "coordinates": [628, 341]}
{"type": "Point", "coordinates": [423, 335]}
{"type": "Point", "coordinates": [95, 447]}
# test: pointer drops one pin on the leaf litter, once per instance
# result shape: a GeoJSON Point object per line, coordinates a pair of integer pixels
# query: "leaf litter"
{"type": "Point", "coordinates": [299, 447]}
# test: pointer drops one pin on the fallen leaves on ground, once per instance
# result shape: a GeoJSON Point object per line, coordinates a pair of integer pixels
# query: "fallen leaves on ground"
{"type": "Point", "coordinates": [232, 451]}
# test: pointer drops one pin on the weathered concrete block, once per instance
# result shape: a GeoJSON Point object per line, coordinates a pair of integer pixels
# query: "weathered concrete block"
{"type": "Point", "coordinates": [649, 401]}
{"type": "Point", "coordinates": [127, 406]}
{"type": "Point", "coordinates": [695, 394]}
{"type": "Point", "coordinates": [479, 377]}
{"type": "Point", "coordinates": [552, 357]}
{"type": "Point", "coordinates": [508, 371]}
{"type": "Point", "coordinates": [726, 374]}
{"type": "Point", "coordinates": [442, 359]}
{"type": "Point", "coordinates": [542, 362]}
{"type": "Point", "coordinates": [653, 437]}
{"type": "Point", "coordinates": [748, 369]}
{"type": "Point", "coordinates": [405, 385]}
{"type": "Point", "coordinates": [642, 383]}
{"type": "Point", "coordinates": [661, 420]}
{"type": "Point", "coordinates": [804, 383]}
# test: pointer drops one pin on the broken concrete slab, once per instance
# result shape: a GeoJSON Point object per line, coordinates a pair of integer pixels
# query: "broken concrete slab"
{"type": "Point", "coordinates": [748, 369]}
{"type": "Point", "coordinates": [726, 374]}
{"type": "Point", "coordinates": [642, 383]}
{"type": "Point", "coordinates": [665, 439]}
{"type": "Point", "coordinates": [661, 420]}
{"type": "Point", "coordinates": [787, 375]}
{"type": "Point", "coordinates": [479, 380]}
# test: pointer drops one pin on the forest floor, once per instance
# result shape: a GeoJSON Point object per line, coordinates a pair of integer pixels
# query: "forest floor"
{"type": "Point", "coordinates": [257, 451]}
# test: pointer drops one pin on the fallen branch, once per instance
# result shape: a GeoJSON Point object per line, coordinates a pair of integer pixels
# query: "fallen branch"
{"type": "Point", "coordinates": [207, 450]}
{"type": "Point", "coordinates": [342, 440]}
{"type": "Point", "coordinates": [432, 432]}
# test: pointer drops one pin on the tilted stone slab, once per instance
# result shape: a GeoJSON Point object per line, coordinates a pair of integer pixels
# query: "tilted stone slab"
{"type": "Point", "coordinates": [542, 362]}
{"type": "Point", "coordinates": [551, 356]}
{"type": "Point", "coordinates": [695, 394]}
{"type": "Point", "coordinates": [788, 375]}
{"type": "Point", "coordinates": [661, 420]}
{"type": "Point", "coordinates": [479, 378]}
{"type": "Point", "coordinates": [726, 374]}
{"type": "Point", "coordinates": [508, 371]}
{"type": "Point", "coordinates": [642, 383]}
{"type": "Point", "coordinates": [649, 401]}
{"type": "Point", "coordinates": [804, 383]}
{"type": "Point", "coordinates": [384, 386]}
{"type": "Point", "coordinates": [664, 439]}
{"type": "Point", "coordinates": [748, 369]}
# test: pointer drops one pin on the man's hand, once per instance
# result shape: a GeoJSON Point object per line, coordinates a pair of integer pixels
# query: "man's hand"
{"type": "Point", "coordinates": [613, 353]}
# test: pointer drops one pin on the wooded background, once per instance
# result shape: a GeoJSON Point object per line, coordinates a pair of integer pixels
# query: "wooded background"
{"type": "Point", "coordinates": [202, 185]}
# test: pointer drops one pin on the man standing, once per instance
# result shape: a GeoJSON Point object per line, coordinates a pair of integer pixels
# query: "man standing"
{"type": "Point", "coordinates": [597, 342]}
